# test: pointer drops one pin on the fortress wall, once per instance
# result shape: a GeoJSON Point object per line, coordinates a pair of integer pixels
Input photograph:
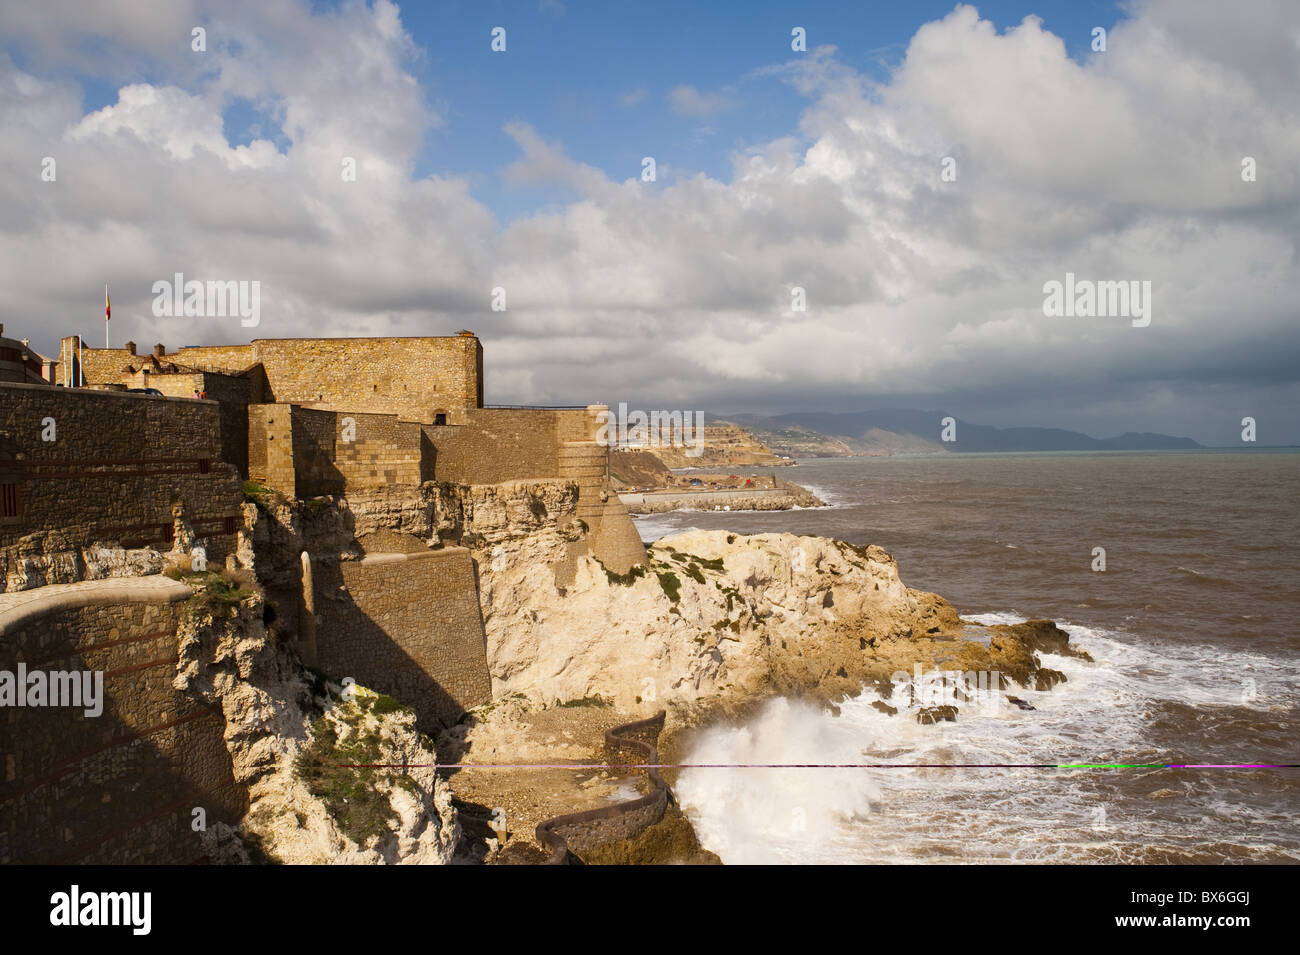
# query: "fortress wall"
{"type": "Point", "coordinates": [314, 440]}
{"type": "Point", "coordinates": [270, 447]}
{"type": "Point", "coordinates": [612, 535]}
{"type": "Point", "coordinates": [407, 625]}
{"type": "Point", "coordinates": [99, 365]}
{"type": "Point", "coordinates": [119, 462]}
{"type": "Point", "coordinates": [383, 451]}
{"type": "Point", "coordinates": [616, 541]}
{"type": "Point", "coordinates": [119, 787]}
{"type": "Point", "coordinates": [411, 377]}
{"type": "Point", "coordinates": [495, 445]}
{"type": "Point", "coordinates": [227, 358]}
{"type": "Point", "coordinates": [231, 393]}
{"type": "Point", "coordinates": [577, 424]}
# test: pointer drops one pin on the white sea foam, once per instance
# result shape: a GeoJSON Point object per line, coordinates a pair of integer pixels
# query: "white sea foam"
{"type": "Point", "coordinates": [1100, 715]}
{"type": "Point", "coordinates": [651, 527]}
{"type": "Point", "coordinates": [831, 498]}
{"type": "Point", "coordinates": [758, 815]}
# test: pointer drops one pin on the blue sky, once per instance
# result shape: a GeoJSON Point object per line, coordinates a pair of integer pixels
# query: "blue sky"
{"type": "Point", "coordinates": [597, 78]}
{"type": "Point", "coordinates": [568, 69]}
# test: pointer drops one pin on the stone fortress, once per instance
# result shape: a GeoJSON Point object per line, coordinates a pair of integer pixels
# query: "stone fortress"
{"type": "Point", "coordinates": [110, 459]}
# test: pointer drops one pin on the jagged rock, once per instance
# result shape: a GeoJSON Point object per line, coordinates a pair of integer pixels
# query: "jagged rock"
{"type": "Point", "coordinates": [1017, 701]}
{"type": "Point", "coordinates": [231, 662]}
{"type": "Point", "coordinates": [884, 707]}
{"type": "Point", "coordinates": [1045, 679]}
{"type": "Point", "coordinates": [1046, 636]}
{"type": "Point", "coordinates": [714, 615]}
{"type": "Point", "coordinates": [48, 558]}
{"type": "Point", "coordinates": [936, 714]}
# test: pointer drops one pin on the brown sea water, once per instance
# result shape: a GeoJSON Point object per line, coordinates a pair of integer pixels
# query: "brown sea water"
{"type": "Point", "coordinates": [1192, 625]}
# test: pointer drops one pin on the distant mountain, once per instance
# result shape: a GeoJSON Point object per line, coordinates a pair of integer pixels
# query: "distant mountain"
{"type": "Point", "coordinates": [893, 431]}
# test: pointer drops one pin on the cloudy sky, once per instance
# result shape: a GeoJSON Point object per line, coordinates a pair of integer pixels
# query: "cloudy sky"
{"type": "Point", "coordinates": [774, 169]}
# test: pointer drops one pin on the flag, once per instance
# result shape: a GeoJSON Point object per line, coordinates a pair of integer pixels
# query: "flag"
{"type": "Point", "coordinates": [108, 311]}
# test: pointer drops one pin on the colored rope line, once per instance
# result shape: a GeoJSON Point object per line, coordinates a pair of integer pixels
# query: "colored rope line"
{"type": "Point", "coordinates": [576, 766]}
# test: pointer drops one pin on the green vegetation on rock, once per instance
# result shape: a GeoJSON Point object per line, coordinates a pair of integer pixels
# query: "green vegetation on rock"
{"type": "Point", "coordinates": [671, 584]}
{"type": "Point", "coordinates": [339, 768]}
{"type": "Point", "coordinates": [214, 592]}
{"type": "Point", "coordinates": [624, 580]}
{"type": "Point", "coordinates": [586, 701]}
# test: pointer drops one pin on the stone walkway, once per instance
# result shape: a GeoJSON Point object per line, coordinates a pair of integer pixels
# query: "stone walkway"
{"type": "Point", "coordinates": [20, 606]}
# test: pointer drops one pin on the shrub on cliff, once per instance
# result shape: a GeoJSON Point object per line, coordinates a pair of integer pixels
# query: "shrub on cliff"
{"type": "Point", "coordinates": [671, 584]}
{"type": "Point", "coordinates": [338, 767]}
{"type": "Point", "coordinates": [214, 592]}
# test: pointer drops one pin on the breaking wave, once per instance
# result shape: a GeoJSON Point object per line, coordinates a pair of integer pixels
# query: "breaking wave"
{"type": "Point", "coordinates": [1108, 711]}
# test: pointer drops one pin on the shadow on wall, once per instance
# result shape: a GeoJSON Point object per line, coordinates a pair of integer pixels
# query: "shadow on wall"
{"type": "Point", "coordinates": [428, 457]}
{"type": "Point", "coordinates": [409, 626]}
{"type": "Point", "coordinates": [120, 787]}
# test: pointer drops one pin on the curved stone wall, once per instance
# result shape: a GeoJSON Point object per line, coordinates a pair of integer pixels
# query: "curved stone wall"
{"type": "Point", "coordinates": [120, 786]}
{"type": "Point", "coordinates": [568, 835]}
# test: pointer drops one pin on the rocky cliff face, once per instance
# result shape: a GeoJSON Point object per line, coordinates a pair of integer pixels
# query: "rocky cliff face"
{"type": "Point", "coordinates": [49, 558]}
{"type": "Point", "coordinates": [287, 735]}
{"type": "Point", "coordinates": [400, 518]}
{"type": "Point", "coordinates": [723, 445]}
{"type": "Point", "coordinates": [715, 615]}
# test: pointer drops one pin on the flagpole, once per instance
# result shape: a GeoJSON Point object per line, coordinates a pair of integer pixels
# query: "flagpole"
{"type": "Point", "coordinates": [106, 314]}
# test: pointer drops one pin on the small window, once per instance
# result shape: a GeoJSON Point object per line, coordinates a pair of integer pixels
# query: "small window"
{"type": "Point", "coordinates": [440, 419]}
{"type": "Point", "coordinates": [205, 465]}
{"type": "Point", "coordinates": [230, 525]}
{"type": "Point", "coordinates": [9, 500]}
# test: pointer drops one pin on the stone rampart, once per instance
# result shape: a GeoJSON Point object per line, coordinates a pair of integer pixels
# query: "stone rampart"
{"type": "Point", "coordinates": [114, 467]}
{"type": "Point", "coordinates": [119, 787]}
{"type": "Point", "coordinates": [407, 625]}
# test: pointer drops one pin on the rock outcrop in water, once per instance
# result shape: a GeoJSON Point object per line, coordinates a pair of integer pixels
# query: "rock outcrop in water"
{"type": "Point", "coordinates": [716, 616]}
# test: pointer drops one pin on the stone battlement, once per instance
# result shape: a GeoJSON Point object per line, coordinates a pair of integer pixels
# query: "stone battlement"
{"type": "Point", "coordinates": [415, 378]}
{"type": "Point", "coordinates": [80, 467]}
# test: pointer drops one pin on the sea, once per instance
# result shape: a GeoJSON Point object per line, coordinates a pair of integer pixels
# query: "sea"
{"type": "Point", "coordinates": [1191, 624]}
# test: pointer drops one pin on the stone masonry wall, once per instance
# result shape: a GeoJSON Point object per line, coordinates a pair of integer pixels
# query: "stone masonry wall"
{"type": "Point", "coordinates": [120, 787]}
{"type": "Point", "coordinates": [496, 445]}
{"type": "Point", "coordinates": [227, 358]}
{"type": "Point", "coordinates": [99, 365]}
{"type": "Point", "coordinates": [411, 377]}
{"type": "Point", "coordinates": [270, 447]}
{"type": "Point", "coordinates": [407, 625]}
{"type": "Point", "coordinates": [118, 464]}
{"type": "Point", "coordinates": [231, 394]}
{"type": "Point", "coordinates": [334, 452]}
